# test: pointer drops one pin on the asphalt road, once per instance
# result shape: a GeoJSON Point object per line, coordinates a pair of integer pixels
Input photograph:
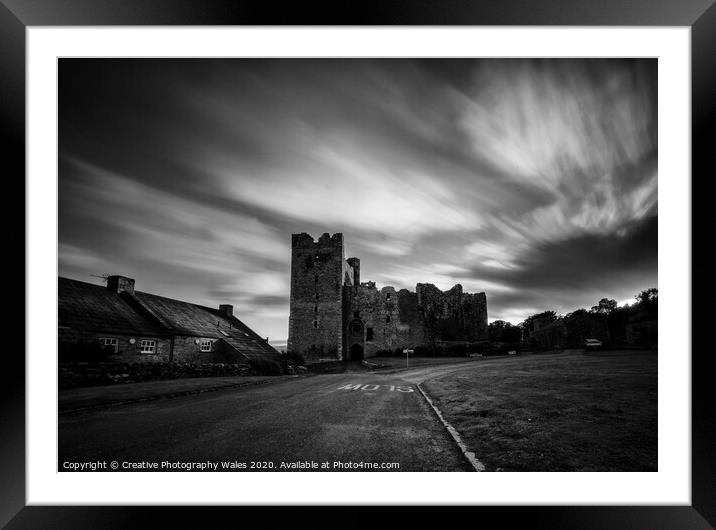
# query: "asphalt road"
{"type": "Point", "coordinates": [378, 418]}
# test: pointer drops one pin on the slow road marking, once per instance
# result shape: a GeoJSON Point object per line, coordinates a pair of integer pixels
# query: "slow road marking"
{"type": "Point", "coordinates": [386, 388]}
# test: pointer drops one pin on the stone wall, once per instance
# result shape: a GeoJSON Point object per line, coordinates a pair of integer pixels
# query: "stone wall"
{"type": "Point", "coordinates": [188, 350]}
{"type": "Point", "coordinates": [80, 374]}
{"type": "Point", "coordinates": [390, 317]}
{"type": "Point", "coordinates": [128, 347]}
{"type": "Point", "coordinates": [452, 315]}
{"type": "Point", "coordinates": [318, 270]}
{"type": "Point", "coordinates": [403, 319]}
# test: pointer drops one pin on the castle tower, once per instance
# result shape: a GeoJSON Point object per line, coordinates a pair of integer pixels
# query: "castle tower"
{"type": "Point", "coordinates": [315, 321]}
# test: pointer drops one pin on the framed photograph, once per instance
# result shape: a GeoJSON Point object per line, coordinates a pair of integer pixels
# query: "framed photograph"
{"type": "Point", "coordinates": [414, 261]}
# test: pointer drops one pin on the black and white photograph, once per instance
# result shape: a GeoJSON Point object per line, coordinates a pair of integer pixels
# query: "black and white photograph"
{"type": "Point", "coordinates": [357, 265]}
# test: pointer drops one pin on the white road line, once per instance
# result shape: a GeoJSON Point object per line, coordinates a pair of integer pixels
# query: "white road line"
{"type": "Point", "coordinates": [470, 456]}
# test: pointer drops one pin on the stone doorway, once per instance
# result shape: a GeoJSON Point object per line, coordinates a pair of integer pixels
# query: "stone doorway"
{"type": "Point", "coordinates": [356, 339]}
{"type": "Point", "coordinates": [355, 353]}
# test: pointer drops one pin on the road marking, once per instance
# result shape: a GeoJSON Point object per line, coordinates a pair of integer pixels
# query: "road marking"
{"type": "Point", "coordinates": [370, 388]}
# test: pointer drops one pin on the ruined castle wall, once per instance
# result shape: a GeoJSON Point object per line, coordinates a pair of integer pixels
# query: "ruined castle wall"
{"type": "Point", "coordinates": [411, 324]}
{"type": "Point", "coordinates": [452, 315]}
{"type": "Point", "coordinates": [390, 317]}
{"type": "Point", "coordinates": [403, 319]}
{"type": "Point", "coordinates": [475, 316]}
{"type": "Point", "coordinates": [316, 306]}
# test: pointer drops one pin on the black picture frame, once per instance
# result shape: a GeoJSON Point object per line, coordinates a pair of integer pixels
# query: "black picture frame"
{"type": "Point", "coordinates": [699, 15]}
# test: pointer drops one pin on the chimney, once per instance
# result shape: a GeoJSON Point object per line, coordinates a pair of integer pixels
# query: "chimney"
{"type": "Point", "coordinates": [227, 310]}
{"type": "Point", "coordinates": [120, 284]}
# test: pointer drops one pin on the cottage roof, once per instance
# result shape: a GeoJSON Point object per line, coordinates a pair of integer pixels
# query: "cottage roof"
{"type": "Point", "coordinates": [95, 308]}
{"type": "Point", "coordinates": [185, 318]}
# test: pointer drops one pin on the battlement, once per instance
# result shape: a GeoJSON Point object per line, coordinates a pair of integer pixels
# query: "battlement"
{"type": "Point", "coordinates": [454, 290]}
{"type": "Point", "coordinates": [304, 240]}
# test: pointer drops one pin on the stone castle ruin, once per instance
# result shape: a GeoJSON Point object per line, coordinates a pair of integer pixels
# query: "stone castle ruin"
{"type": "Point", "coordinates": [335, 316]}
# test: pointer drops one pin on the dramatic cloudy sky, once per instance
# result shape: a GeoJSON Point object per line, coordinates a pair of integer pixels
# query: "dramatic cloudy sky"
{"type": "Point", "coordinates": [532, 180]}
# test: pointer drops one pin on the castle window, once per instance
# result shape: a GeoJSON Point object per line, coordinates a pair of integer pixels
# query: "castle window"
{"type": "Point", "coordinates": [315, 323]}
{"type": "Point", "coordinates": [315, 309]}
{"type": "Point", "coordinates": [387, 296]}
{"type": "Point", "coordinates": [387, 318]}
{"type": "Point", "coordinates": [369, 334]}
{"type": "Point", "coordinates": [355, 314]}
{"type": "Point", "coordinates": [315, 278]}
{"type": "Point", "coordinates": [110, 342]}
{"type": "Point", "coordinates": [205, 345]}
{"type": "Point", "coordinates": [316, 296]}
{"type": "Point", "coordinates": [148, 346]}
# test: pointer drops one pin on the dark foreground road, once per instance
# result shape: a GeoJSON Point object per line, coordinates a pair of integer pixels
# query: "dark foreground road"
{"type": "Point", "coordinates": [361, 417]}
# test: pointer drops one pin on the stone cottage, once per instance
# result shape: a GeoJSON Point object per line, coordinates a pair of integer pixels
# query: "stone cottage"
{"type": "Point", "coordinates": [136, 326]}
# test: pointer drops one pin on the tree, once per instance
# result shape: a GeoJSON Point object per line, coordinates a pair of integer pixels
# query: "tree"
{"type": "Point", "coordinates": [501, 331]}
{"type": "Point", "coordinates": [576, 313]}
{"type": "Point", "coordinates": [511, 333]}
{"type": "Point", "coordinates": [648, 296]}
{"type": "Point", "coordinates": [606, 306]}
{"type": "Point", "coordinates": [528, 324]}
{"type": "Point", "coordinates": [647, 301]}
{"type": "Point", "coordinates": [549, 316]}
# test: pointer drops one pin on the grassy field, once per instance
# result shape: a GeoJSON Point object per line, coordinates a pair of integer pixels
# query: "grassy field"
{"type": "Point", "coordinates": [556, 412]}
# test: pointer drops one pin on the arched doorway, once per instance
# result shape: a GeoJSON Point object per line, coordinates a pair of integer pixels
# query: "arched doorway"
{"type": "Point", "coordinates": [356, 340]}
{"type": "Point", "coordinates": [356, 352]}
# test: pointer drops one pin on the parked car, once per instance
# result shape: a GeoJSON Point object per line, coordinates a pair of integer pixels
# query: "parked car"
{"type": "Point", "coordinates": [593, 344]}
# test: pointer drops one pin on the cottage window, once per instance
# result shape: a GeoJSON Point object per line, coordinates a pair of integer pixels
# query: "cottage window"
{"type": "Point", "coordinates": [148, 346]}
{"type": "Point", "coordinates": [110, 342]}
{"type": "Point", "coordinates": [205, 345]}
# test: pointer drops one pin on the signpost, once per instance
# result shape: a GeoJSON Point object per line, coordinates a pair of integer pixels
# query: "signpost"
{"type": "Point", "coordinates": [407, 352]}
